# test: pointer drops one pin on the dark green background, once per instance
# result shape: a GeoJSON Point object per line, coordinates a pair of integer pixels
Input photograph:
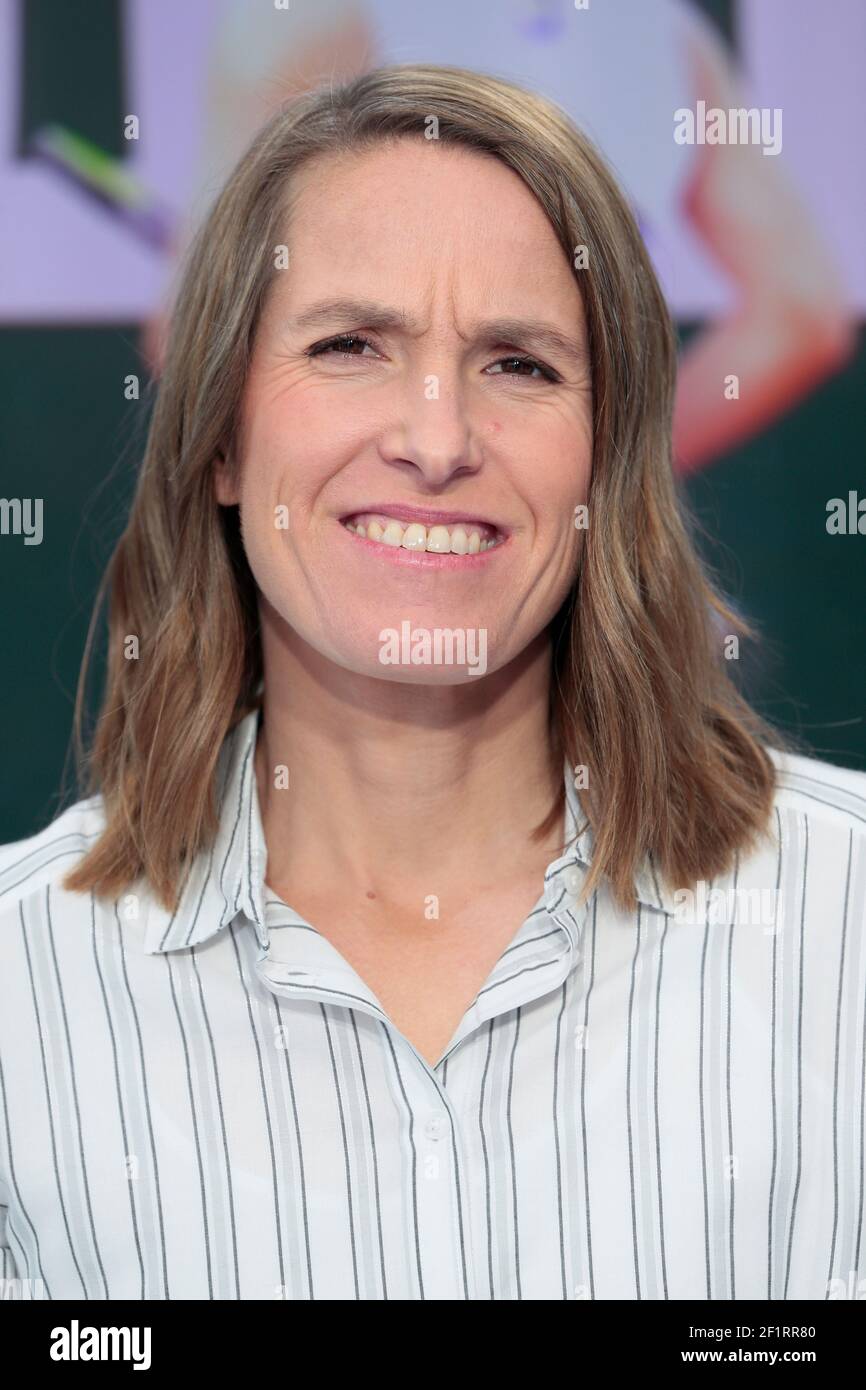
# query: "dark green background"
{"type": "Point", "coordinates": [68, 435]}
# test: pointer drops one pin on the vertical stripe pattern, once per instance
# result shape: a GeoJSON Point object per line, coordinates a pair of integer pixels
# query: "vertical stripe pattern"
{"type": "Point", "coordinates": [643, 1104]}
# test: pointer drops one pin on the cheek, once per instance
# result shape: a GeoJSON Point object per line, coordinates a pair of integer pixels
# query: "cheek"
{"type": "Point", "coordinates": [572, 484]}
{"type": "Point", "coordinates": [278, 480]}
{"type": "Point", "coordinates": [561, 513]}
{"type": "Point", "coordinates": [559, 494]}
{"type": "Point", "coordinates": [296, 442]}
{"type": "Point", "coordinates": [270, 508]}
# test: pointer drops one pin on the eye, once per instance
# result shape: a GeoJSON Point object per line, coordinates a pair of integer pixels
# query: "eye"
{"type": "Point", "coordinates": [545, 373]}
{"type": "Point", "coordinates": [353, 345]}
{"type": "Point", "coordinates": [344, 346]}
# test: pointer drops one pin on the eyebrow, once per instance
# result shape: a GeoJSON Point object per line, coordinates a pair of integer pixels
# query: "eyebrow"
{"type": "Point", "coordinates": [534, 334]}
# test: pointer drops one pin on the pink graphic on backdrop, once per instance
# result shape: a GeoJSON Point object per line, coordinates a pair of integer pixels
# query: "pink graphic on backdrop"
{"type": "Point", "coordinates": [70, 254]}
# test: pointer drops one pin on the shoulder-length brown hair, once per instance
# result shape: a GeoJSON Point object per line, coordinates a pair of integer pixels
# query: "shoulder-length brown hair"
{"type": "Point", "coordinates": [640, 693]}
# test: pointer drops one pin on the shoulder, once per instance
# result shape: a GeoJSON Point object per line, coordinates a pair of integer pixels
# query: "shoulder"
{"type": "Point", "coordinates": [43, 860]}
{"type": "Point", "coordinates": [830, 796]}
{"type": "Point", "coordinates": [819, 829]}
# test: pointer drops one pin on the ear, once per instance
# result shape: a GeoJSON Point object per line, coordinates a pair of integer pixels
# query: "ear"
{"type": "Point", "coordinates": [225, 482]}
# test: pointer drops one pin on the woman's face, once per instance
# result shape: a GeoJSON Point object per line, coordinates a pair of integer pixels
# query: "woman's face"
{"type": "Point", "coordinates": [420, 372]}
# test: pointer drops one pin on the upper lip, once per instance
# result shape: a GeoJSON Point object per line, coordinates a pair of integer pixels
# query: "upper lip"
{"type": "Point", "coordinates": [425, 516]}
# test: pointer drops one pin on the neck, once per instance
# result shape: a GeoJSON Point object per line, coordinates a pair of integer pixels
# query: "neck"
{"type": "Point", "coordinates": [387, 780]}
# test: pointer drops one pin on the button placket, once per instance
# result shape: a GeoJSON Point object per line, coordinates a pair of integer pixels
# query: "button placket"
{"type": "Point", "coordinates": [441, 1265]}
{"type": "Point", "coordinates": [436, 1126]}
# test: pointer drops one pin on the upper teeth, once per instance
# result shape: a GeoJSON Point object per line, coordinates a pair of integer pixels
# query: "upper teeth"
{"type": "Point", "coordinates": [443, 540]}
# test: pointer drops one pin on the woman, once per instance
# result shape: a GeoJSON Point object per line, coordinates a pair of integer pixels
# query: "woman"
{"type": "Point", "coordinates": [416, 940]}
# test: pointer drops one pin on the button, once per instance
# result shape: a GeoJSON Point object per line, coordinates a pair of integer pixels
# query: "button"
{"type": "Point", "coordinates": [436, 1127]}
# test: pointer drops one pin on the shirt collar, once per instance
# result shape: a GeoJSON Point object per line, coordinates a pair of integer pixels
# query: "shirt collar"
{"type": "Point", "coordinates": [229, 878]}
{"type": "Point", "coordinates": [649, 886]}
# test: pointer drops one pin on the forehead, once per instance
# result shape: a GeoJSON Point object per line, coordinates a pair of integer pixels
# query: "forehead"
{"type": "Point", "coordinates": [414, 210]}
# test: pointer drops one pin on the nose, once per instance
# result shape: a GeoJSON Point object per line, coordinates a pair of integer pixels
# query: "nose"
{"type": "Point", "coordinates": [434, 435]}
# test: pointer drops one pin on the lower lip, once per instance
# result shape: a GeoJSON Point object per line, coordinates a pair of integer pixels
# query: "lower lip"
{"type": "Point", "coordinates": [421, 559]}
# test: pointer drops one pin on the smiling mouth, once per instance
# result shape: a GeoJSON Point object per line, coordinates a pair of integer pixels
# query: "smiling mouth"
{"type": "Point", "coordinates": [455, 538]}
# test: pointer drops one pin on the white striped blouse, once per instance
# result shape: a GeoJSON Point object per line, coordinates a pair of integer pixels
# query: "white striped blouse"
{"type": "Point", "coordinates": [660, 1104]}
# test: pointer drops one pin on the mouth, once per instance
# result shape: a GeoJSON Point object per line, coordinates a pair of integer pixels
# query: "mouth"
{"type": "Point", "coordinates": [414, 531]}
